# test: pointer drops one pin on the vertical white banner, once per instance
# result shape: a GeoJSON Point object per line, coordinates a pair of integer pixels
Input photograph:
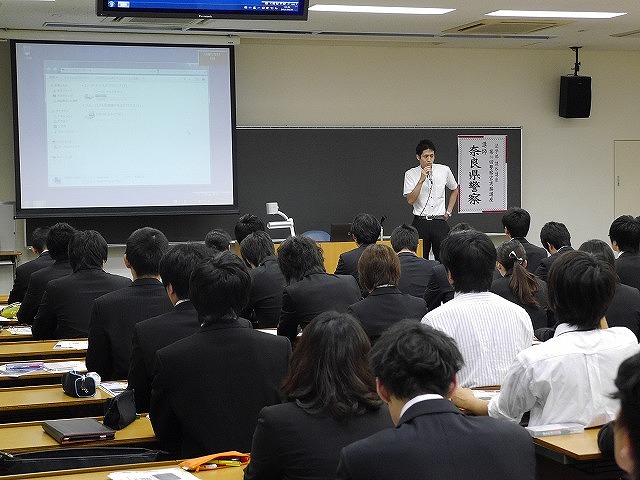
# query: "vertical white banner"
{"type": "Point", "coordinates": [482, 173]}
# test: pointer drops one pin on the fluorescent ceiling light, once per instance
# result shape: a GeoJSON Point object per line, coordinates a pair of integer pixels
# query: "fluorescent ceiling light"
{"type": "Point", "coordinates": [552, 14]}
{"type": "Point", "coordinates": [370, 9]}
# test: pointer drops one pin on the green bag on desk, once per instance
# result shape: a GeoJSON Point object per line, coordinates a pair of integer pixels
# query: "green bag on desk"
{"type": "Point", "coordinates": [10, 311]}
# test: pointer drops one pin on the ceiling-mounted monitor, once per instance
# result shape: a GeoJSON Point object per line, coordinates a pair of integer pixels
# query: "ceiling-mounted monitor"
{"type": "Point", "coordinates": [232, 9]}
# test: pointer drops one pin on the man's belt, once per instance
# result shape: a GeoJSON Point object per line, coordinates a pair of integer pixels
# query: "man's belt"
{"type": "Point", "coordinates": [432, 217]}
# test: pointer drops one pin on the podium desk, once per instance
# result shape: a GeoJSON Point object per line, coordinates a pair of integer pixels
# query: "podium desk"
{"type": "Point", "coordinates": [38, 377]}
{"type": "Point", "coordinates": [36, 349]}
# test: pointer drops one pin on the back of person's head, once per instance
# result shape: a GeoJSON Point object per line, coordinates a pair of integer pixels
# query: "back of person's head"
{"type": "Point", "coordinates": [87, 249]}
{"type": "Point", "coordinates": [219, 288]}
{"type": "Point", "coordinates": [405, 236]}
{"type": "Point", "coordinates": [517, 221]}
{"type": "Point", "coordinates": [217, 240]}
{"type": "Point", "coordinates": [460, 227]}
{"type": "Point", "coordinates": [378, 265]}
{"type": "Point", "coordinates": [329, 369]}
{"type": "Point", "coordinates": [58, 240]}
{"type": "Point", "coordinates": [600, 250]}
{"type": "Point", "coordinates": [412, 359]}
{"type": "Point", "coordinates": [470, 258]}
{"type": "Point", "coordinates": [556, 234]}
{"type": "Point", "coordinates": [39, 239]}
{"type": "Point", "coordinates": [512, 256]}
{"type": "Point", "coordinates": [580, 289]}
{"type": "Point", "coordinates": [177, 264]}
{"type": "Point", "coordinates": [627, 448]}
{"type": "Point", "coordinates": [299, 256]}
{"type": "Point", "coordinates": [425, 145]}
{"type": "Point", "coordinates": [144, 249]}
{"type": "Point", "coordinates": [248, 224]}
{"type": "Point", "coordinates": [625, 231]}
{"type": "Point", "coordinates": [365, 229]}
{"type": "Point", "coordinates": [256, 247]}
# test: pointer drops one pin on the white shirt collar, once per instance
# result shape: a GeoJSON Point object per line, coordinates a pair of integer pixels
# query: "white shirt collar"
{"type": "Point", "coordinates": [419, 398]}
{"type": "Point", "coordinates": [565, 328]}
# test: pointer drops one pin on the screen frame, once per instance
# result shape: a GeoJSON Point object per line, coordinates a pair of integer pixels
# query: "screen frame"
{"type": "Point", "coordinates": [72, 212]}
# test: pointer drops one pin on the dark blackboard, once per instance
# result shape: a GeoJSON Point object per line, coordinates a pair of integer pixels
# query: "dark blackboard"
{"type": "Point", "coordinates": [321, 176]}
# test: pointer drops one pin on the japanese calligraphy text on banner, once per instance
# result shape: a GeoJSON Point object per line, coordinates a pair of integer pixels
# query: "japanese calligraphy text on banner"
{"type": "Point", "coordinates": [482, 173]}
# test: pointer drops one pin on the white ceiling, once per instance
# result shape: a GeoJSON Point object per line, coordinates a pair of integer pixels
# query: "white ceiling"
{"type": "Point", "coordinates": [439, 30]}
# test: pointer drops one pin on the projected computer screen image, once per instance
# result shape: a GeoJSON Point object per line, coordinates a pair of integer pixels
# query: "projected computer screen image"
{"type": "Point", "coordinates": [107, 128]}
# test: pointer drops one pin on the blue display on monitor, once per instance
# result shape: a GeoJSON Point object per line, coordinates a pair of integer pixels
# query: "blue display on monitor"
{"type": "Point", "coordinates": [232, 9]}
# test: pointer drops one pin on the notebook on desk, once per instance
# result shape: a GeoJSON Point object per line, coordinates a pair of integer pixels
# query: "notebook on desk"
{"type": "Point", "coordinates": [73, 430]}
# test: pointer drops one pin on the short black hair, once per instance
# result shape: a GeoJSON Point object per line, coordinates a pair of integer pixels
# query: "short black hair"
{"type": "Point", "coordinates": [219, 288]}
{"type": "Point", "coordinates": [517, 221]}
{"type": "Point", "coordinates": [556, 234]}
{"type": "Point", "coordinates": [299, 256]}
{"type": "Point", "coordinates": [58, 240]}
{"type": "Point", "coordinates": [247, 224]}
{"type": "Point", "coordinates": [87, 249]}
{"type": "Point", "coordinates": [39, 239]}
{"type": "Point", "coordinates": [177, 264]}
{"type": "Point", "coordinates": [580, 289]}
{"type": "Point", "coordinates": [256, 247]}
{"type": "Point", "coordinates": [412, 359]}
{"type": "Point", "coordinates": [628, 384]}
{"type": "Point", "coordinates": [365, 229]}
{"type": "Point", "coordinates": [600, 250]}
{"type": "Point", "coordinates": [625, 231]}
{"type": "Point", "coordinates": [218, 240]}
{"type": "Point", "coordinates": [470, 257]}
{"type": "Point", "coordinates": [405, 236]}
{"type": "Point", "coordinates": [423, 145]}
{"type": "Point", "coordinates": [144, 249]}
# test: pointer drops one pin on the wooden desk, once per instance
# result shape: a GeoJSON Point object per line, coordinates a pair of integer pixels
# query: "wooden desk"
{"type": "Point", "coordinates": [5, 336]}
{"type": "Point", "coordinates": [35, 349]}
{"type": "Point", "coordinates": [29, 437]}
{"type": "Point", "coordinates": [39, 377]}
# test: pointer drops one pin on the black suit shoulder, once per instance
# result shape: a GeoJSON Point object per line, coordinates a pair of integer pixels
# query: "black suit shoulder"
{"type": "Point", "coordinates": [537, 314]}
{"type": "Point", "coordinates": [265, 298]}
{"type": "Point", "coordinates": [23, 275]}
{"type": "Point", "coordinates": [439, 290]}
{"type": "Point", "coordinates": [415, 273]}
{"type": "Point", "coordinates": [37, 284]}
{"type": "Point", "coordinates": [628, 269]}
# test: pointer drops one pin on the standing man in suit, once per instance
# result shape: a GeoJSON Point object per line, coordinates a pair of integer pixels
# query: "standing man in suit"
{"type": "Point", "coordinates": [415, 368]}
{"type": "Point", "coordinates": [58, 240]}
{"type": "Point", "coordinates": [556, 240]}
{"type": "Point", "coordinates": [365, 230]}
{"type": "Point", "coordinates": [415, 272]}
{"type": "Point", "coordinates": [424, 188]}
{"type": "Point", "coordinates": [625, 240]}
{"type": "Point", "coordinates": [208, 388]}
{"type": "Point", "coordinates": [114, 315]}
{"type": "Point", "coordinates": [267, 281]}
{"type": "Point", "coordinates": [24, 271]}
{"type": "Point", "coordinates": [66, 305]}
{"type": "Point", "coordinates": [154, 333]}
{"type": "Point", "coordinates": [516, 224]}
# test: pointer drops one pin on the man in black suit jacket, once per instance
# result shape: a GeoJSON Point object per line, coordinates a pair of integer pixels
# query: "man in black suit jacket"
{"type": "Point", "coordinates": [267, 281]}
{"type": "Point", "coordinates": [556, 239]}
{"type": "Point", "coordinates": [208, 388]}
{"type": "Point", "coordinates": [415, 271]}
{"type": "Point", "coordinates": [152, 334]}
{"type": "Point", "coordinates": [432, 438]}
{"type": "Point", "coordinates": [365, 230]}
{"type": "Point", "coordinates": [625, 239]}
{"type": "Point", "coordinates": [115, 314]}
{"type": "Point", "coordinates": [58, 244]}
{"type": "Point", "coordinates": [66, 304]}
{"type": "Point", "coordinates": [310, 290]}
{"type": "Point", "coordinates": [516, 224]}
{"type": "Point", "coordinates": [24, 271]}
{"type": "Point", "coordinates": [439, 290]}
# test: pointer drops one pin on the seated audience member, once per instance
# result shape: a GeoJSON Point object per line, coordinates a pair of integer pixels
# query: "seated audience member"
{"type": "Point", "coordinates": [365, 230]}
{"type": "Point", "coordinates": [208, 388]}
{"type": "Point", "coordinates": [516, 224]}
{"type": "Point", "coordinates": [66, 304]}
{"type": "Point", "coordinates": [518, 285]}
{"type": "Point", "coordinates": [24, 270]}
{"type": "Point", "coordinates": [624, 310]}
{"type": "Point", "coordinates": [115, 314]}
{"type": "Point", "coordinates": [58, 244]}
{"type": "Point", "coordinates": [246, 225]}
{"type": "Point", "coordinates": [154, 333]}
{"type": "Point", "coordinates": [415, 368]}
{"type": "Point", "coordinates": [267, 281]}
{"type": "Point", "coordinates": [385, 304]}
{"type": "Point", "coordinates": [415, 271]}
{"type": "Point", "coordinates": [569, 378]}
{"type": "Point", "coordinates": [310, 290]}
{"type": "Point", "coordinates": [556, 240]}
{"type": "Point", "coordinates": [218, 240]}
{"type": "Point", "coordinates": [331, 402]}
{"type": "Point", "coordinates": [625, 240]}
{"type": "Point", "coordinates": [489, 330]}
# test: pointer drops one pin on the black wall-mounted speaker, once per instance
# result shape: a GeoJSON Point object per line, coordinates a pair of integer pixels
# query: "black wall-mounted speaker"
{"type": "Point", "coordinates": [575, 96]}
